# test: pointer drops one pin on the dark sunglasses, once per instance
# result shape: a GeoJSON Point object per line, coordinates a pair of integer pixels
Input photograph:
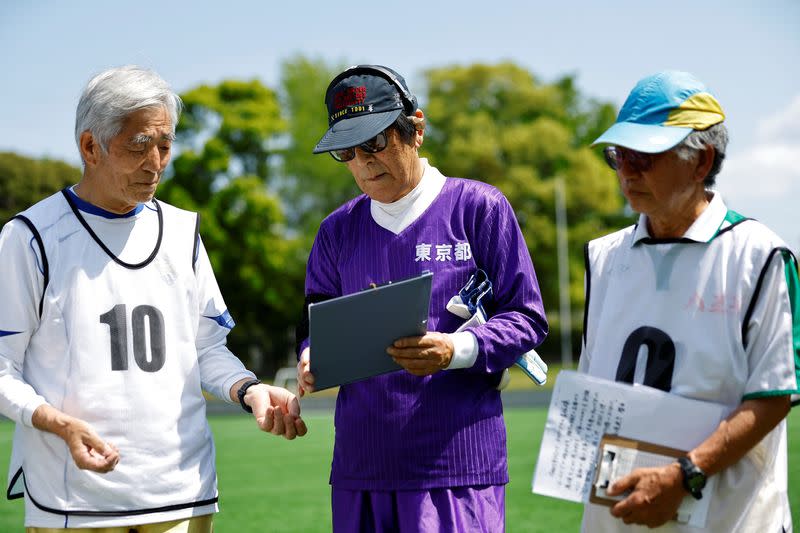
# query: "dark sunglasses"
{"type": "Point", "coordinates": [372, 146]}
{"type": "Point", "coordinates": [637, 161]}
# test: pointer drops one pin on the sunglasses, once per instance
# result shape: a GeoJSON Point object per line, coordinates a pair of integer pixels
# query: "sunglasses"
{"type": "Point", "coordinates": [637, 161]}
{"type": "Point", "coordinates": [372, 146]}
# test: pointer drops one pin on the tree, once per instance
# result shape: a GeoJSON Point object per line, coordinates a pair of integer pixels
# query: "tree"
{"type": "Point", "coordinates": [500, 124]}
{"type": "Point", "coordinates": [314, 185]}
{"type": "Point", "coordinates": [244, 162]}
{"type": "Point", "coordinates": [25, 181]}
{"type": "Point", "coordinates": [224, 170]}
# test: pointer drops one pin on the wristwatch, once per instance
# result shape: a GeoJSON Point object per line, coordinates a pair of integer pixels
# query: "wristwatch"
{"type": "Point", "coordinates": [243, 390]}
{"type": "Point", "coordinates": [694, 479]}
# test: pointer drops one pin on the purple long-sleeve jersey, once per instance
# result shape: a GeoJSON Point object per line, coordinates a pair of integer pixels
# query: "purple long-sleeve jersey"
{"type": "Point", "coordinates": [399, 431]}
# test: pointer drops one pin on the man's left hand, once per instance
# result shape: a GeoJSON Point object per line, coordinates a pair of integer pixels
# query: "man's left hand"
{"type": "Point", "coordinates": [276, 410]}
{"type": "Point", "coordinates": [425, 355]}
{"type": "Point", "coordinates": [655, 495]}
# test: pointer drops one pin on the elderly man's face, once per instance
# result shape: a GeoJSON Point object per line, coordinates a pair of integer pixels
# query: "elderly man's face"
{"type": "Point", "coordinates": [665, 190]}
{"type": "Point", "coordinates": [390, 174]}
{"type": "Point", "coordinates": [137, 156]}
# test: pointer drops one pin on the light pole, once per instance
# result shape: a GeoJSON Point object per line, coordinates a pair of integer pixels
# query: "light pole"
{"type": "Point", "coordinates": [564, 312]}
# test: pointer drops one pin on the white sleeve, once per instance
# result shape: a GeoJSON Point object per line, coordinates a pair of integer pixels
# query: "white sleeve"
{"type": "Point", "coordinates": [770, 339]}
{"type": "Point", "coordinates": [219, 368]}
{"type": "Point", "coordinates": [465, 350]}
{"type": "Point", "coordinates": [21, 285]}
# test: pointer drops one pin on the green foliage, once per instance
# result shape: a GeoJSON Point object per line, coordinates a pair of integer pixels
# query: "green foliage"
{"type": "Point", "coordinates": [224, 171]}
{"type": "Point", "coordinates": [242, 115]}
{"type": "Point", "coordinates": [314, 185]}
{"type": "Point", "coordinates": [25, 181]}
{"type": "Point", "coordinates": [244, 162]}
{"type": "Point", "coordinates": [262, 268]}
{"type": "Point", "coordinates": [499, 124]}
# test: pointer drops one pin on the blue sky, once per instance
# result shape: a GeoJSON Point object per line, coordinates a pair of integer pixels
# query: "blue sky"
{"type": "Point", "coordinates": [746, 52]}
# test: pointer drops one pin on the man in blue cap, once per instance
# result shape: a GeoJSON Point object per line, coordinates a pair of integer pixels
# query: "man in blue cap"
{"type": "Point", "coordinates": [713, 297]}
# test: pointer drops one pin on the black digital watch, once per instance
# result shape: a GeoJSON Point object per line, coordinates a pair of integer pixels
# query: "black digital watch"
{"type": "Point", "coordinates": [694, 479]}
{"type": "Point", "coordinates": [243, 390]}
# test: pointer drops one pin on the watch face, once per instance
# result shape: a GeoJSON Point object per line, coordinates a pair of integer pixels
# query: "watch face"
{"type": "Point", "coordinates": [696, 481]}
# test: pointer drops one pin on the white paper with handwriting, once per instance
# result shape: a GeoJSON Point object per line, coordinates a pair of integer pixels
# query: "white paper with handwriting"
{"type": "Point", "coordinates": [584, 408]}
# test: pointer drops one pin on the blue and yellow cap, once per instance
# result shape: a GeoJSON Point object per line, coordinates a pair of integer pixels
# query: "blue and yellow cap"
{"type": "Point", "coordinates": [661, 111]}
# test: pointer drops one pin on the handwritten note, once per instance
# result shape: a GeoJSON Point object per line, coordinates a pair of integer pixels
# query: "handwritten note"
{"type": "Point", "coordinates": [584, 408]}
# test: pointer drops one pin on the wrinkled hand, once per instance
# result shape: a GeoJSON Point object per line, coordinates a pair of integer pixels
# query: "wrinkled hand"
{"type": "Point", "coordinates": [88, 450]}
{"type": "Point", "coordinates": [276, 410]}
{"type": "Point", "coordinates": [656, 494]}
{"type": "Point", "coordinates": [305, 379]}
{"type": "Point", "coordinates": [425, 355]}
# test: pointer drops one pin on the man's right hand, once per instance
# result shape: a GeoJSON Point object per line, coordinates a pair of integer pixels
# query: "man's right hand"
{"type": "Point", "coordinates": [305, 379]}
{"type": "Point", "coordinates": [88, 450]}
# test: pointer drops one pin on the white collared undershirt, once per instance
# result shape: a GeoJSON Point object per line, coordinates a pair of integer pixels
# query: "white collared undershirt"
{"type": "Point", "coordinates": [400, 214]}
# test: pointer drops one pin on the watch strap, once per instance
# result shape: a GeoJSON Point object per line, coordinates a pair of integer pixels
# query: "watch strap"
{"type": "Point", "coordinates": [694, 479]}
{"type": "Point", "coordinates": [243, 390]}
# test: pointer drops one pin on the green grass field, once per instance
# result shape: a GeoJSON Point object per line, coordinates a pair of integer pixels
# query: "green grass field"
{"type": "Point", "coordinates": [272, 485]}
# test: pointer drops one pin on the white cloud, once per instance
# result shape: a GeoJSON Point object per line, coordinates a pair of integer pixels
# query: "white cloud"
{"type": "Point", "coordinates": [764, 171]}
{"type": "Point", "coordinates": [783, 125]}
{"type": "Point", "coordinates": [763, 181]}
{"type": "Point", "coordinates": [770, 168]}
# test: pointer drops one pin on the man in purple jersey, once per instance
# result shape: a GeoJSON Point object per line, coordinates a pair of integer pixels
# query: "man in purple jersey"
{"type": "Point", "coordinates": [422, 449]}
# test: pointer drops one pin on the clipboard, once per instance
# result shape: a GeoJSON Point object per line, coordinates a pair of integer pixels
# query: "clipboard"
{"type": "Point", "coordinates": [613, 463]}
{"type": "Point", "coordinates": [348, 335]}
{"type": "Point", "coordinates": [618, 456]}
{"type": "Point", "coordinates": [584, 408]}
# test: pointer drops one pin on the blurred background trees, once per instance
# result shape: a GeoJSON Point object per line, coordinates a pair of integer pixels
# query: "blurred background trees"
{"type": "Point", "coordinates": [225, 169]}
{"type": "Point", "coordinates": [243, 161]}
{"type": "Point", "coordinates": [24, 181]}
{"type": "Point", "coordinates": [500, 124]}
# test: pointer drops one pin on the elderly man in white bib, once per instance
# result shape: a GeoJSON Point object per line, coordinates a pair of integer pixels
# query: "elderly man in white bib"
{"type": "Point", "coordinates": [699, 301]}
{"type": "Point", "coordinates": [112, 325]}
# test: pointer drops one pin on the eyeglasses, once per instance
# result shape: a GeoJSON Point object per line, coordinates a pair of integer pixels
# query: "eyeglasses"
{"type": "Point", "coordinates": [372, 146]}
{"type": "Point", "coordinates": [637, 161]}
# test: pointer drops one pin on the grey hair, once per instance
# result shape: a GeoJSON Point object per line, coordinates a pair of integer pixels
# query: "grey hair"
{"type": "Point", "coordinates": [405, 128]}
{"type": "Point", "coordinates": [114, 94]}
{"type": "Point", "coordinates": [716, 136]}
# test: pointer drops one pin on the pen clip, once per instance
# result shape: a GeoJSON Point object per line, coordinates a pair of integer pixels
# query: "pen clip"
{"type": "Point", "coordinates": [477, 287]}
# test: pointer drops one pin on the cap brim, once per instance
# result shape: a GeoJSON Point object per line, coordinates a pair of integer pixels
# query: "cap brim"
{"type": "Point", "coordinates": [353, 131]}
{"type": "Point", "coordinates": [646, 138]}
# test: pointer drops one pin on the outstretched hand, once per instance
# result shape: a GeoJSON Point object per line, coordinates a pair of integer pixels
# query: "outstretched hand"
{"type": "Point", "coordinates": [276, 410]}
